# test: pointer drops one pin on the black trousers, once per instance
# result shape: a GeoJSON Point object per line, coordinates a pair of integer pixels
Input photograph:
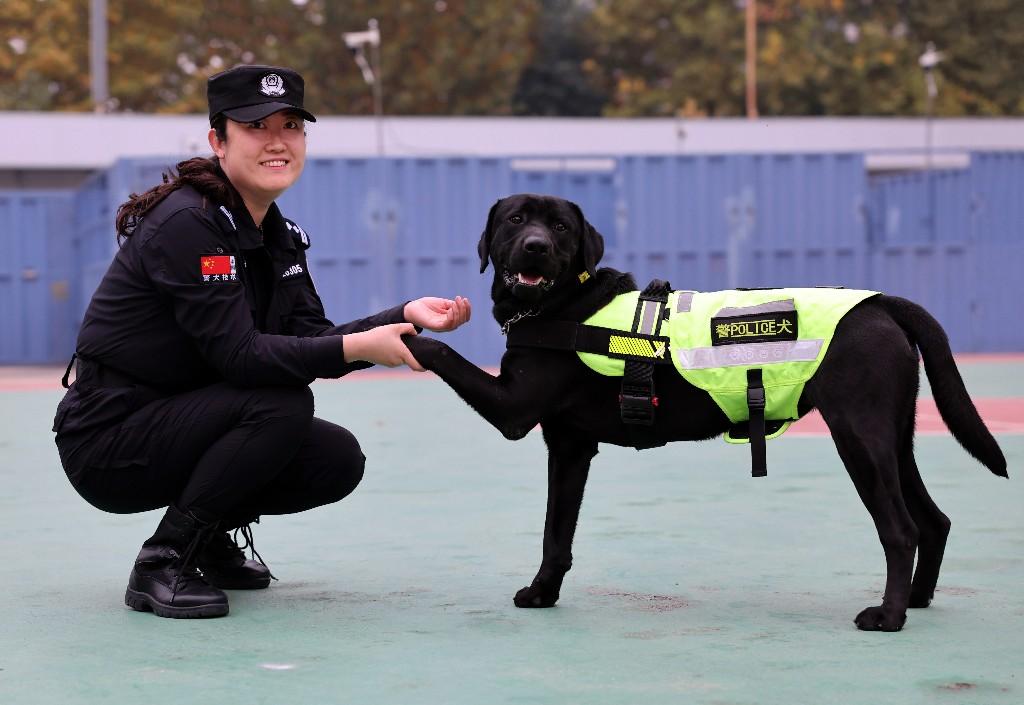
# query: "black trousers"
{"type": "Point", "coordinates": [221, 452]}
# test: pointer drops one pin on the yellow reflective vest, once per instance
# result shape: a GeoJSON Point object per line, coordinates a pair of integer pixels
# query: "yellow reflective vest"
{"type": "Point", "coordinates": [715, 337]}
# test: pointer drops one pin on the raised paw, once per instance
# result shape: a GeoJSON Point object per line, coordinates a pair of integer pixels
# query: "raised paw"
{"type": "Point", "coordinates": [535, 595]}
{"type": "Point", "coordinates": [880, 619]}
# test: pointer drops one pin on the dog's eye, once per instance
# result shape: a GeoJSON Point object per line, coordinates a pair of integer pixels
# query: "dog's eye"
{"type": "Point", "coordinates": [561, 227]}
{"type": "Point", "coordinates": [515, 219]}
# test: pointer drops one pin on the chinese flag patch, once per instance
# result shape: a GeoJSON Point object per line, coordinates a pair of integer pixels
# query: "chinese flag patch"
{"type": "Point", "coordinates": [216, 264]}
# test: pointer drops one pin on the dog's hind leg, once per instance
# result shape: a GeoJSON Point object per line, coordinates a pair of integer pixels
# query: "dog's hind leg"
{"type": "Point", "coordinates": [868, 448]}
{"type": "Point", "coordinates": [569, 457]}
{"type": "Point", "coordinates": [933, 526]}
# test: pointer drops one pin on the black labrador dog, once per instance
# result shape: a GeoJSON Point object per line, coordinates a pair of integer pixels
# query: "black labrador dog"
{"type": "Point", "coordinates": [865, 389]}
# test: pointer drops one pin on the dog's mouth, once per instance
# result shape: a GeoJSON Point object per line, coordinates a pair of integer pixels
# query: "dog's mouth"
{"type": "Point", "coordinates": [528, 279]}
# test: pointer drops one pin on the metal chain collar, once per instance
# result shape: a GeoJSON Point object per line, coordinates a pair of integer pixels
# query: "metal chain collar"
{"type": "Point", "coordinates": [518, 317]}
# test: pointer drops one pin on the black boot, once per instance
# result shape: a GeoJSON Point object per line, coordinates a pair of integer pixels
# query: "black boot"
{"type": "Point", "coordinates": [224, 564]}
{"type": "Point", "coordinates": [165, 580]}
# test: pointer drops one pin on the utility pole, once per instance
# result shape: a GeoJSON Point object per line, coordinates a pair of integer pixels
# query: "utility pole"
{"type": "Point", "coordinates": [357, 43]}
{"type": "Point", "coordinates": [928, 61]}
{"type": "Point", "coordinates": [98, 54]}
{"type": "Point", "coordinates": [751, 37]}
{"type": "Point", "coordinates": [384, 219]}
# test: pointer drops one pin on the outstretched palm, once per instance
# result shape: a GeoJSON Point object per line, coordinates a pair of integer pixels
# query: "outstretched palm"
{"type": "Point", "coordinates": [437, 314]}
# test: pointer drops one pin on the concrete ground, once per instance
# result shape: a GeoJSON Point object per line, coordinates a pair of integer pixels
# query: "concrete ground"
{"type": "Point", "coordinates": [693, 582]}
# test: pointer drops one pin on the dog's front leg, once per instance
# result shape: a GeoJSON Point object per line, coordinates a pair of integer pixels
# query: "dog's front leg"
{"type": "Point", "coordinates": [515, 401]}
{"type": "Point", "coordinates": [569, 457]}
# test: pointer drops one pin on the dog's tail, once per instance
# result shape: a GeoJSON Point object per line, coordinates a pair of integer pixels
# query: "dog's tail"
{"type": "Point", "coordinates": [951, 398]}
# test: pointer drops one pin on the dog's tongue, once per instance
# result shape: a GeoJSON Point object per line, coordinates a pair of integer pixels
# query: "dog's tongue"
{"type": "Point", "coordinates": [531, 279]}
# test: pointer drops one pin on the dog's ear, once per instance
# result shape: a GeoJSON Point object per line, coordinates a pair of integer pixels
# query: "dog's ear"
{"type": "Point", "coordinates": [483, 248]}
{"type": "Point", "coordinates": [592, 244]}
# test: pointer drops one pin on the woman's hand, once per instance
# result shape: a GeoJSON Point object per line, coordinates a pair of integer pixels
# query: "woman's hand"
{"type": "Point", "coordinates": [438, 315]}
{"type": "Point", "coordinates": [382, 346]}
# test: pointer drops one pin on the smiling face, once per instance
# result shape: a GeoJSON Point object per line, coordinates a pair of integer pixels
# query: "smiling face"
{"type": "Point", "coordinates": [537, 243]}
{"type": "Point", "coordinates": [262, 158]}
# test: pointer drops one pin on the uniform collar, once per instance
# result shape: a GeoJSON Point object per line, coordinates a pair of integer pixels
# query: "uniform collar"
{"type": "Point", "coordinates": [273, 234]}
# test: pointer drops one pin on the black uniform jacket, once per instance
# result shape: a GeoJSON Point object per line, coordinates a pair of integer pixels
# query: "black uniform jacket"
{"type": "Point", "coordinates": [199, 295]}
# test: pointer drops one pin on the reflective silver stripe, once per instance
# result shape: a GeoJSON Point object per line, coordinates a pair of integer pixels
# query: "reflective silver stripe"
{"type": "Point", "coordinates": [231, 220]}
{"type": "Point", "coordinates": [648, 315]}
{"type": "Point", "coordinates": [770, 307]}
{"type": "Point", "coordinates": [684, 301]}
{"type": "Point", "coordinates": [749, 354]}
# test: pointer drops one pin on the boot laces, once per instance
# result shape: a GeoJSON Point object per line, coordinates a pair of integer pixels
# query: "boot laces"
{"type": "Point", "coordinates": [246, 531]}
{"type": "Point", "coordinates": [186, 572]}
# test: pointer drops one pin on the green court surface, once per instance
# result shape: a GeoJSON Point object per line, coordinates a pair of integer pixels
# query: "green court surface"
{"type": "Point", "coordinates": [693, 582]}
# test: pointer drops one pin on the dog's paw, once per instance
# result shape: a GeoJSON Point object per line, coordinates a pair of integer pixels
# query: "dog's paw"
{"type": "Point", "coordinates": [880, 619]}
{"type": "Point", "coordinates": [535, 596]}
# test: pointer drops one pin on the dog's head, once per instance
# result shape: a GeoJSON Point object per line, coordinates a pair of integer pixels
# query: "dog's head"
{"type": "Point", "coordinates": [538, 244]}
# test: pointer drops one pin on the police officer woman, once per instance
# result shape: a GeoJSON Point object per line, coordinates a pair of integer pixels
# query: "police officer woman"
{"type": "Point", "coordinates": [197, 350]}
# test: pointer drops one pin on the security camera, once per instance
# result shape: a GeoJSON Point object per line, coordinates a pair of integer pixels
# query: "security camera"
{"type": "Point", "coordinates": [357, 40]}
{"type": "Point", "coordinates": [930, 58]}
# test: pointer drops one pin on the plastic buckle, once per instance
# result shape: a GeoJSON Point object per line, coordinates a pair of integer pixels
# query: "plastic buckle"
{"type": "Point", "coordinates": [637, 410]}
{"type": "Point", "coordinates": [755, 398]}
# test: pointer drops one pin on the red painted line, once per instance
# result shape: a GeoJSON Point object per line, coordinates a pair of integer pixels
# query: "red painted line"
{"type": "Point", "coordinates": [1001, 415]}
{"type": "Point", "coordinates": [1004, 415]}
{"type": "Point", "coordinates": [972, 358]}
{"type": "Point", "coordinates": [35, 381]}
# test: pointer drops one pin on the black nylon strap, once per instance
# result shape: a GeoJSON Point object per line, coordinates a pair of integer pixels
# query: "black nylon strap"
{"type": "Point", "coordinates": [67, 372]}
{"type": "Point", "coordinates": [637, 399]}
{"type": "Point", "coordinates": [755, 405]}
{"type": "Point", "coordinates": [569, 335]}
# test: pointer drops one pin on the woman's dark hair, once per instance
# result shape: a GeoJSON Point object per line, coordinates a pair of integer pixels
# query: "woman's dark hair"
{"type": "Point", "coordinates": [201, 173]}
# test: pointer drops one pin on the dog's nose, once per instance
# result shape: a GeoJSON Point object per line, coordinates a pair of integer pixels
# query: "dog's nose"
{"type": "Point", "coordinates": [537, 245]}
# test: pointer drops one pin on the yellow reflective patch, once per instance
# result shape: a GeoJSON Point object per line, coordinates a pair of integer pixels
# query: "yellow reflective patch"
{"type": "Point", "coordinates": [583, 276]}
{"type": "Point", "coordinates": [638, 347]}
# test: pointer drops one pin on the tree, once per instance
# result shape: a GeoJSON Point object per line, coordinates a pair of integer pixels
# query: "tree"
{"type": "Point", "coordinates": [547, 57]}
{"type": "Point", "coordinates": [669, 57]}
{"type": "Point", "coordinates": [982, 42]}
{"type": "Point", "coordinates": [41, 55]}
{"type": "Point", "coordinates": [555, 82]}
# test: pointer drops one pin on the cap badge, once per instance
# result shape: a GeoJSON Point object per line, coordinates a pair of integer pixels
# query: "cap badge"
{"type": "Point", "coordinates": [272, 85]}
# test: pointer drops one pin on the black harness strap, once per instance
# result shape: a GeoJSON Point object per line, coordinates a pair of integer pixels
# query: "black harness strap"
{"type": "Point", "coordinates": [570, 335]}
{"type": "Point", "coordinates": [756, 404]}
{"type": "Point", "coordinates": [641, 348]}
{"type": "Point", "coordinates": [638, 399]}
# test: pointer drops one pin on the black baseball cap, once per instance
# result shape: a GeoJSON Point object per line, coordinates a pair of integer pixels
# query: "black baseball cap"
{"type": "Point", "coordinates": [247, 93]}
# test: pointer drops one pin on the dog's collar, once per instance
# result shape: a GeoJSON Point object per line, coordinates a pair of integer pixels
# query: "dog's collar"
{"type": "Point", "coordinates": [583, 277]}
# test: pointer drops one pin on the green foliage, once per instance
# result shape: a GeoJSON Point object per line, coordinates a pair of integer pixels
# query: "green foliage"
{"type": "Point", "coordinates": [534, 57]}
{"type": "Point", "coordinates": [555, 82]}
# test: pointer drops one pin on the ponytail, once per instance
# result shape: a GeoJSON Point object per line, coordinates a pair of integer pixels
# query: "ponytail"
{"type": "Point", "coordinates": [201, 173]}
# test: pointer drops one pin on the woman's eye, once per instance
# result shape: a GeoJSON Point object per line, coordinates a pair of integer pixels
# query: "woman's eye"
{"type": "Point", "coordinates": [256, 124]}
{"type": "Point", "coordinates": [515, 219]}
{"type": "Point", "coordinates": [560, 227]}
{"type": "Point", "coordinates": [293, 125]}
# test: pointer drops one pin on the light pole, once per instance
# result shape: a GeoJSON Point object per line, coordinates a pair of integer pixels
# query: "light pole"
{"type": "Point", "coordinates": [928, 61]}
{"type": "Point", "coordinates": [383, 218]}
{"type": "Point", "coordinates": [751, 58]}
{"type": "Point", "coordinates": [357, 43]}
{"type": "Point", "coordinates": [98, 55]}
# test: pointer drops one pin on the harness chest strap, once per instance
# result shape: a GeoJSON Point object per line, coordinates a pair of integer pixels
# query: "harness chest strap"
{"type": "Point", "coordinates": [580, 337]}
{"type": "Point", "coordinates": [641, 348]}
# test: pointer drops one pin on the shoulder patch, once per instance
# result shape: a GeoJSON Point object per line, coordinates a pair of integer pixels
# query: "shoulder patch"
{"type": "Point", "coordinates": [218, 268]}
{"type": "Point", "coordinates": [298, 233]}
